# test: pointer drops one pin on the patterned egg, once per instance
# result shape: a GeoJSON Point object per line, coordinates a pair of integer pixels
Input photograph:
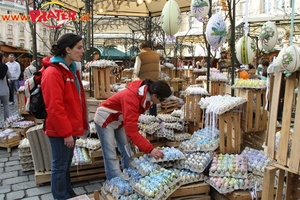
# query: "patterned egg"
{"type": "Point", "coordinates": [245, 50]}
{"type": "Point", "coordinates": [216, 31]}
{"type": "Point", "coordinates": [170, 18]}
{"type": "Point", "coordinates": [199, 8]}
{"type": "Point", "coordinates": [268, 36]}
{"type": "Point", "coordinates": [289, 59]}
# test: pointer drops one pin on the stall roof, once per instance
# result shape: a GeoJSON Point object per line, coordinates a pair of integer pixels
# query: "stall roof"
{"type": "Point", "coordinates": [11, 49]}
{"type": "Point", "coordinates": [127, 7]}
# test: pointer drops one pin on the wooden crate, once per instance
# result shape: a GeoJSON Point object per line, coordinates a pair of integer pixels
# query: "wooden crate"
{"type": "Point", "coordinates": [291, 160]}
{"type": "Point", "coordinates": [169, 106]}
{"type": "Point", "coordinates": [192, 191]}
{"type": "Point", "coordinates": [254, 139]}
{"type": "Point", "coordinates": [215, 87]}
{"type": "Point", "coordinates": [78, 173]}
{"type": "Point", "coordinates": [192, 111]}
{"type": "Point", "coordinates": [194, 126]}
{"type": "Point", "coordinates": [286, 181]}
{"type": "Point", "coordinates": [127, 73]}
{"type": "Point", "coordinates": [102, 88]}
{"type": "Point", "coordinates": [9, 143]}
{"type": "Point", "coordinates": [92, 106]}
{"type": "Point", "coordinates": [177, 85]}
{"type": "Point", "coordinates": [230, 132]}
{"type": "Point", "coordinates": [21, 102]}
{"type": "Point", "coordinates": [254, 117]}
{"type": "Point", "coordinates": [235, 195]}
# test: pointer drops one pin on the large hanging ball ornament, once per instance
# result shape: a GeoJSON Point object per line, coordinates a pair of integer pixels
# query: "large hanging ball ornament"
{"type": "Point", "coordinates": [199, 9]}
{"type": "Point", "coordinates": [268, 36]}
{"type": "Point", "coordinates": [244, 75]}
{"type": "Point", "coordinates": [245, 50]}
{"type": "Point", "coordinates": [216, 31]}
{"type": "Point", "coordinates": [289, 59]}
{"type": "Point", "coordinates": [171, 18]}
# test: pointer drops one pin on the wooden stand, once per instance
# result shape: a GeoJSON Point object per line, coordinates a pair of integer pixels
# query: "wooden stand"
{"type": "Point", "coordinates": [286, 181]}
{"type": "Point", "coordinates": [193, 113]}
{"type": "Point", "coordinates": [230, 132]}
{"type": "Point", "coordinates": [215, 87]}
{"type": "Point", "coordinates": [254, 117]}
{"type": "Point", "coordinates": [9, 143]}
{"type": "Point", "coordinates": [291, 160]}
{"type": "Point", "coordinates": [168, 107]}
{"type": "Point", "coordinates": [254, 140]}
{"type": "Point", "coordinates": [102, 83]}
{"type": "Point", "coordinates": [22, 102]}
{"type": "Point", "coordinates": [235, 195]}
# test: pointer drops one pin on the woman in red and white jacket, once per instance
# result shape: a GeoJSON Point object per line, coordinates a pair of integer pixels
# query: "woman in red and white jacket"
{"type": "Point", "coordinates": [117, 122]}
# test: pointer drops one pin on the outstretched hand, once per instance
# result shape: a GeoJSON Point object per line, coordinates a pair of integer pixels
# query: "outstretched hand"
{"type": "Point", "coordinates": [156, 153]}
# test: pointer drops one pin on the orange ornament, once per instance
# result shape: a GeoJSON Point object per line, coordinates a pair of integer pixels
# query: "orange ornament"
{"type": "Point", "coordinates": [244, 75]}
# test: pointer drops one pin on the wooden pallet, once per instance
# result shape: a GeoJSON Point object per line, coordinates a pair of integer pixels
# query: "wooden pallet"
{"type": "Point", "coordinates": [254, 117]}
{"type": "Point", "coordinates": [291, 161]}
{"type": "Point", "coordinates": [191, 191]}
{"type": "Point", "coordinates": [168, 107]}
{"type": "Point", "coordinates": [230, 132]}
{"type": "Point", "coordinates": [102, 88]}
{"type": "Point", "coordinates": [287, 182]}
{"type": "Point", "coordinates": [235, 195]}
{"type": "Point", "coordinates": [92, 106]}
{"type": "Point", "coordinates": [177, 85]}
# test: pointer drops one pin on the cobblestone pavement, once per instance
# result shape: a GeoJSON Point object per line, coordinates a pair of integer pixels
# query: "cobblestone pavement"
{"type": "Point", "coordinates": [15, 184]}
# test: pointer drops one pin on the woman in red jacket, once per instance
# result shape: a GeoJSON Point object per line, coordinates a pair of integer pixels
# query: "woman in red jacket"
{"type": "Point", "coordinates": [65, 104]}
{"type": "Point", "coordinates": [117, 122]}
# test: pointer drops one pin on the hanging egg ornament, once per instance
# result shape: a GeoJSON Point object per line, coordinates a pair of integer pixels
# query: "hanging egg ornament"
{"type": "Point", "coordinates": [171, 18]}
{"type": "Point", "coordinates": [216, 31]}
{"type": "Point", "coordinates": [245, 50]}
{"type": "Point", "coordinates": [289, 59]}
{"type": "Point", "coordinates": [199, 9]}
{"type": "Point", "coordinates": [268, 36]}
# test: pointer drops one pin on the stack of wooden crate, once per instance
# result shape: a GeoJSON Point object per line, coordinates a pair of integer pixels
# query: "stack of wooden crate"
{"type": "Point", "coordinates": [168, 106]}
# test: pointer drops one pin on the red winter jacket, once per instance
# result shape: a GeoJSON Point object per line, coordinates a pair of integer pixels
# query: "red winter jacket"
{"type": "Point", "coordinates": [66, 108]}
{"type": "Point", "coordinates": [124, 109]}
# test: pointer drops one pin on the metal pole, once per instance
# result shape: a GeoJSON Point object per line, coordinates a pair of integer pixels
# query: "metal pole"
{"type": "Point", "coordinates": [34, 39]}
{"type": "Point", "coordinates": [232, 47]}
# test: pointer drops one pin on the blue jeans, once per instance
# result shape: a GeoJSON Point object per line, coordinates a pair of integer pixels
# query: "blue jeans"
{"type": "Point", "coordinates": [60, 170]}
{"type": "Point", "coordinates": [4, 101]}
{"type": "Point", "coordinates": [14, 84]}
{"type": "Point", "coordinates": [108, 138]}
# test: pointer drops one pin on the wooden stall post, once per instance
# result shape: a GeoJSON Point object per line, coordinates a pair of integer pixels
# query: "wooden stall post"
{"type": "Point", "coordinates": [215, 87]}
{"type": "Point", "coordinates": [101, 83]}
{"type": "Point", "coordinates": [230, 132]}
{"type": "Point", "coordinates": [22, 102]}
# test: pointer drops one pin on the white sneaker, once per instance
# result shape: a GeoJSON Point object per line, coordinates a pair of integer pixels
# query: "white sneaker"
{"type": "Point", "coordinates": [11, 103]}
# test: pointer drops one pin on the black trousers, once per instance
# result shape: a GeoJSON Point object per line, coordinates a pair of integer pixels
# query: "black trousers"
{"type": "Point", "coordinates": [153, 110]}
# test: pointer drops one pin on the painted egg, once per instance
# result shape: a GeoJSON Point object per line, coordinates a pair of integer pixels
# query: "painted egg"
{"type": "Point", "coordinates": [199, 9]}
{"type": "Point", "coordinates": [216, 31]}
{"type": "Point", "coordinates": [289, 59]}
{"type": "Point", "coordinates": [245, 50]}
{"type": "Point", "coordinates": [268, 36]}
{"type": "Point", "coordinates": [171, 18]}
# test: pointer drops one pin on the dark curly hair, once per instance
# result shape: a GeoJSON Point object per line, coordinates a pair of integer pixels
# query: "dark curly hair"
{"type": "Point", "coordinates": [67, 40]}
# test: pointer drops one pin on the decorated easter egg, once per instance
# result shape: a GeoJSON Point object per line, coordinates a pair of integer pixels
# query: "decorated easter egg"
{"type": "Point", "coordinates": [170, 18]}
{"type": "Point", "coordinates": [268, 36]}
{"type": "Point", "coordinates": [199, 9]}
{"type": "Point", "coordinates": [289, 59]}
{"type": "Point", "coordinates": [245, 50]}
{"type": "Point", "coordinates": [216, 31]}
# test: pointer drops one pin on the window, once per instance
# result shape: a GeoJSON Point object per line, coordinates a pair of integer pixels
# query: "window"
{"type": "Point", "coordinates": [22, 43]}
{"type": "Point", "coordinates": [9, 42]}
{"type": "Point", "coordinates": [10, 29]}
{"type": "Point", "coordinates": [44, 32]}
{"type": "Point", "coordinates": [267, 6]}
{"type": "Point", "coordinates": [279, 4]}
{"type": "Point", "coordinates": [21, 31]}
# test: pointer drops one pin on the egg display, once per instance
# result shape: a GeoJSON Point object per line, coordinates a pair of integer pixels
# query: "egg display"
{"type": "Point", "coordinates": [245, 50]}
{"type": "Point", "coordinates": [195, 162]}
{"type": "Point", "coordinates": [144, 165]}
{"type": "Point", "coordinates": [250, 83]}
{"type": "Point", "coordinates": [188, 176]}
{"type": "Point", "coordinates": [117, 186]}
{"type": "Point", "coordinates": [89, 143]}
{"type": "Point", "coordinates": [229, 165]}
{"type": "Point", "coordinates": [199, 9]}
{"type": "Point", "coordinates": [81, 156]}
{"type": "Point", "coordinates": [171, 18]}
{"type": "Point", "coordinates": [257, 160]}
{"type": "Point", "coordinates": [216, 31]}
{"type": "Point", "coordinates": [158, 184]}
{"type": "Point", "coordinates": [170, 154]}
{"type": "Point", "coordinates": [268, 35]}
{"type": "Point", "coordinates": [226, 185]}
